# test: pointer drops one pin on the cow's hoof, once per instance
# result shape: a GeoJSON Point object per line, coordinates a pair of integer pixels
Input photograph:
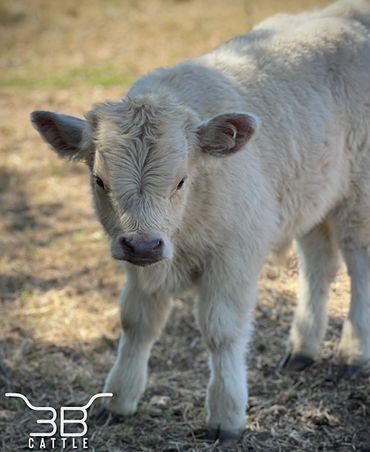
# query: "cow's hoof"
{"type": "Point", "coordinates": [106, 417]}
{"type": "Point", "coordinates": [225, 438]}
{"type": "Point", "coordinates": [295, 362]}
{"type": "Point", "coordinates": [352, 371]}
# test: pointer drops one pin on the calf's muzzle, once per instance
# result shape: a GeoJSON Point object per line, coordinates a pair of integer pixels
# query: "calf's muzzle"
{"type": "Point", "coordinates": [139, 250]}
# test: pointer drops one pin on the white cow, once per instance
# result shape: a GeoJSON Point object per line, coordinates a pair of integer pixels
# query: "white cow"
{"type": "Point", "coordinates": [194, 193]}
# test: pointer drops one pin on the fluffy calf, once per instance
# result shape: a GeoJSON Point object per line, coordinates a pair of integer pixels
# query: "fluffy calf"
{"type": "Point", "coordinates": [194, 194]}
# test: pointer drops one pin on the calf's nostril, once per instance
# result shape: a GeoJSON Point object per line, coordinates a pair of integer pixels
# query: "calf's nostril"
{"type": "Point", "coordinates": [157, 244]}
{"type": "Point", "coordinates": [126, 244]}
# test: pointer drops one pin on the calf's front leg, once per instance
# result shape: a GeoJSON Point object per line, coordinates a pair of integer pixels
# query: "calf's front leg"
{"type": "Point", "coordinates": [225, 322]}
{"type": "Point", "coordinates": [143, 316]}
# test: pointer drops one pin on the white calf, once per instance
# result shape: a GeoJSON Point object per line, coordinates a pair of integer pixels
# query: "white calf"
{"type": "Point", "coordinates": [184, 218]}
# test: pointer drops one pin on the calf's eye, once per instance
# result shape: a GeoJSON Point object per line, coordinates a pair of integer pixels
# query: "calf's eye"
{"type": "Point", "coordinates": [181, 183]}
{"type": "Point", "coordinates": [99, 182]}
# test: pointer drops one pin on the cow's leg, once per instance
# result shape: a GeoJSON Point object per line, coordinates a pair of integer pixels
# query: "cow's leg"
{"type": "Point", "coordinates": [225, 322]}
{"type": "Point", "coordinates": [143, 318]}
{"type": "Point", "coordinates": [352, 227]}
{"type": "Point", "coordinates": [354, 346]}
{"type": "Point", "coordinates": [318, 263]}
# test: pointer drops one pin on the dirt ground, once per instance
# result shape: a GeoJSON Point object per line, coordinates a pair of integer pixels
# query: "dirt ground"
{"type": "Point", "coordinates": [58, 284]}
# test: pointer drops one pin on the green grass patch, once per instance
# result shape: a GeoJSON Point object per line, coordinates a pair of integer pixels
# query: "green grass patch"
{"type": "Point", "coordinates": [103, 75]}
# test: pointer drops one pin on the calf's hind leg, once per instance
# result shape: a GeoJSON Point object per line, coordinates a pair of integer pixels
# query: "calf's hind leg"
{"type": "Point", "coordinates": [318, 263]}
{"type": "Point", "coordinates": [353, 231]}
{"type": "Point", "coordinates": [354, 346]}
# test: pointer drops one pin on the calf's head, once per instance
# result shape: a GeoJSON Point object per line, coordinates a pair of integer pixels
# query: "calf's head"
{"type": "Point", "coordinates": [144, 154]}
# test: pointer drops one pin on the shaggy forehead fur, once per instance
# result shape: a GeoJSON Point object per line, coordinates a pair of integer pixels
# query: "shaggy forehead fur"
{"type": "Point", "coordinates": [141, 144]}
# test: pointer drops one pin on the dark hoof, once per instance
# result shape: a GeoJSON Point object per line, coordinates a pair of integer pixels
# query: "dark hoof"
{"type": "Point", "coordinates": [352, 371]}
{"type": "Point", "coordinates": [295, 362]}
{"type": "Point", "coordinates": [225, 438]}
{"type": "Point", "coordinates": [106, 417]}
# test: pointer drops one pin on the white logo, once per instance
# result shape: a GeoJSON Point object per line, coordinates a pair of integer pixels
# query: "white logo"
{"type": "Point", "coordinates": [63, 421]}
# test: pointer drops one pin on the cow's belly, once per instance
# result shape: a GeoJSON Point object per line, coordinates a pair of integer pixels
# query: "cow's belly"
{"type": "Point", "coordinates": [307, 200]}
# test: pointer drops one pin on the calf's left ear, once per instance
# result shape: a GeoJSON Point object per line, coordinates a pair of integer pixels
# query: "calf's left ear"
{"type": "Point", "coordinates": [226, 134]}
{"type": "Point", "coordinates": [62, 132]}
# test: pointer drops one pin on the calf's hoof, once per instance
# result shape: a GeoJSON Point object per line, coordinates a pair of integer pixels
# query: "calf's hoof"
{"type": "Point", "coordinates": [225, 438]}
{"type": "Point", "coordinates": [295, 362]}
{"type": "Point", "coordinates": [106, 417]}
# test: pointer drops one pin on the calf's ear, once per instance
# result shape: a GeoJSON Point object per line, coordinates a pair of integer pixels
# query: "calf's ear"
{"type": "Point", "coordinates": [226, 134]}
{"type": "Point", "coordinates": [62, 132]}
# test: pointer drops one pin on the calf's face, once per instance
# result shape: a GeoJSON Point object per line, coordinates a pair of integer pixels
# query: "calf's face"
{"type": "Point", "coordinates": [143, 157]}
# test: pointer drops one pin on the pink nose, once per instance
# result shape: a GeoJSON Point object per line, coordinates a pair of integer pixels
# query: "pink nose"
{"type": "Point", "coordinates": [141, 251]}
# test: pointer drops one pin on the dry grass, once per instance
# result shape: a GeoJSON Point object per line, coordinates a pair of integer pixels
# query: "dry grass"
{"type": "Point", "coordinates": [58, 284]}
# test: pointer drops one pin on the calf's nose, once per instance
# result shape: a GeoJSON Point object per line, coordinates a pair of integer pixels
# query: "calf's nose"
{"type": "Point", "coordinates": [138, 249]}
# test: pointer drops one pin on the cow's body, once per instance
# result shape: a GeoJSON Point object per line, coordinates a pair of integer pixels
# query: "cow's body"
{"type": "Point", "coordinates": [306, 175]}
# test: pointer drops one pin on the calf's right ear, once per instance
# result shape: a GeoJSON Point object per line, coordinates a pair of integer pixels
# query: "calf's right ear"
{"type": "Point", "coordinates": [64, 133]}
